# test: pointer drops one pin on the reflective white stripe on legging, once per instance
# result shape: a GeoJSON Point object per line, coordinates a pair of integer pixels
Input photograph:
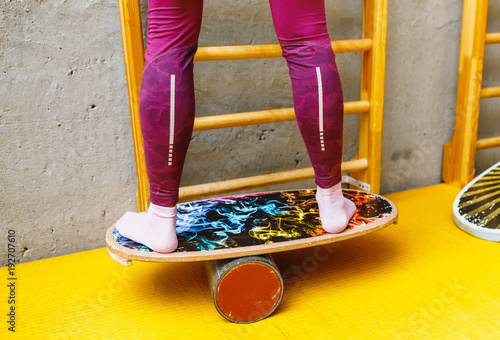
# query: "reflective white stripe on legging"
{"type": "Point", "coordinates": [172, 119]}
{"type": "Point", "coordinates": [320, 104]}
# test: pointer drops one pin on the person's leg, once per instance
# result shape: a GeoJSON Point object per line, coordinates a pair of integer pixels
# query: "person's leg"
{"type": "Point", "coordinates": [317, 98]}
{"type": "Point", "coordinates": [167, 117]}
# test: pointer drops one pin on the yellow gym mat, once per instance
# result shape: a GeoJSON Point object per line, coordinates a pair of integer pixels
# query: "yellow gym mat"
{"type": "Point", "coordinates": [420, 279]}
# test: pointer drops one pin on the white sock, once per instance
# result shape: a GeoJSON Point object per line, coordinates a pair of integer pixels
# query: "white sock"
{"type": "Point", "coordinates": [154, 228]}
{"type": "Point", "coordinates": [335, 210]}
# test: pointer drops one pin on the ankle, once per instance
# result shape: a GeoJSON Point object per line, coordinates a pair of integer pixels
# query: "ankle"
{"type": "Point", "coordinates": [163, 212]}
{"type": "Point", "coordinates": [335, 190]}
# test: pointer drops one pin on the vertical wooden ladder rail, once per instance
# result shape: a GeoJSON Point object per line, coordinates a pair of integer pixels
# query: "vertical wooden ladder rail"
{"type": "Point", "coordinates": [459, 154]}
{"type": "Point", "coordinates": [366, 166]}
{"type": "Point", "coordinates": [372, 90]}
{"type": "Point", "coordinates": [490, 92]}
{"type": "Point", "coordinates": [133, 53]}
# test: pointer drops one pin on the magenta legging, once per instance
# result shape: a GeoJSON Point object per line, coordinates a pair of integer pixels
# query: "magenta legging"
{"type": "Point", "coordinates": [167, 91]}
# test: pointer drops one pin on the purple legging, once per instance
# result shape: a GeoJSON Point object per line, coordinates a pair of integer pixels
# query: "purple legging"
{"type": "Point", "coordinates": [167, 91]}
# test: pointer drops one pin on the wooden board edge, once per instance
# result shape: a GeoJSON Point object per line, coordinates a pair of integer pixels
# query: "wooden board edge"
{"type": "Point", "coordinates": [118, 259]}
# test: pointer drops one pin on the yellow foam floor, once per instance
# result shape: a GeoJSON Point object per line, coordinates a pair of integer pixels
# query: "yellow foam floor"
{"type": "Point", "coordinates": [420, 279]}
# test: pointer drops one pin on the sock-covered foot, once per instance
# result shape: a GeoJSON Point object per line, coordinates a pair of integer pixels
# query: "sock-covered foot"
{"type": "Point", "coordinates": [335, 210]}
{"type": "Point", "coordinates": [154, 228]}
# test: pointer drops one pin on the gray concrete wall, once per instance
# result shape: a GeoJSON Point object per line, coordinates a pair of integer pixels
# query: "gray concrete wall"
{"type": "Point", "coordinates": [67, 170]}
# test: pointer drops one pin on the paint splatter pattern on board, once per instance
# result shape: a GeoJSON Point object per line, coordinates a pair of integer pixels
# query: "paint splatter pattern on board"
{"type": "Point", "coordinates": [259, 219]}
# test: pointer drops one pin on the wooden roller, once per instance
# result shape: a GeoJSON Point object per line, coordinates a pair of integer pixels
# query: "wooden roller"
{"type": "Point", "coordinates": [246, 289]}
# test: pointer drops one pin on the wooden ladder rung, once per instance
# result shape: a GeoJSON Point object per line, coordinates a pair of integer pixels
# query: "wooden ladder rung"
{"type": "Point", "coordinates": [264, 117]}
{"type": "Point", "coordinates": [490, 92]}
{"type": "Point", "coordinates": [488, 143]}
{"type": "Point", "coordinates": [209, 53]}
{"type": "Point", "coordinates": [253, 182]}
{"type": "Point", "coordinates": [492, 38]}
